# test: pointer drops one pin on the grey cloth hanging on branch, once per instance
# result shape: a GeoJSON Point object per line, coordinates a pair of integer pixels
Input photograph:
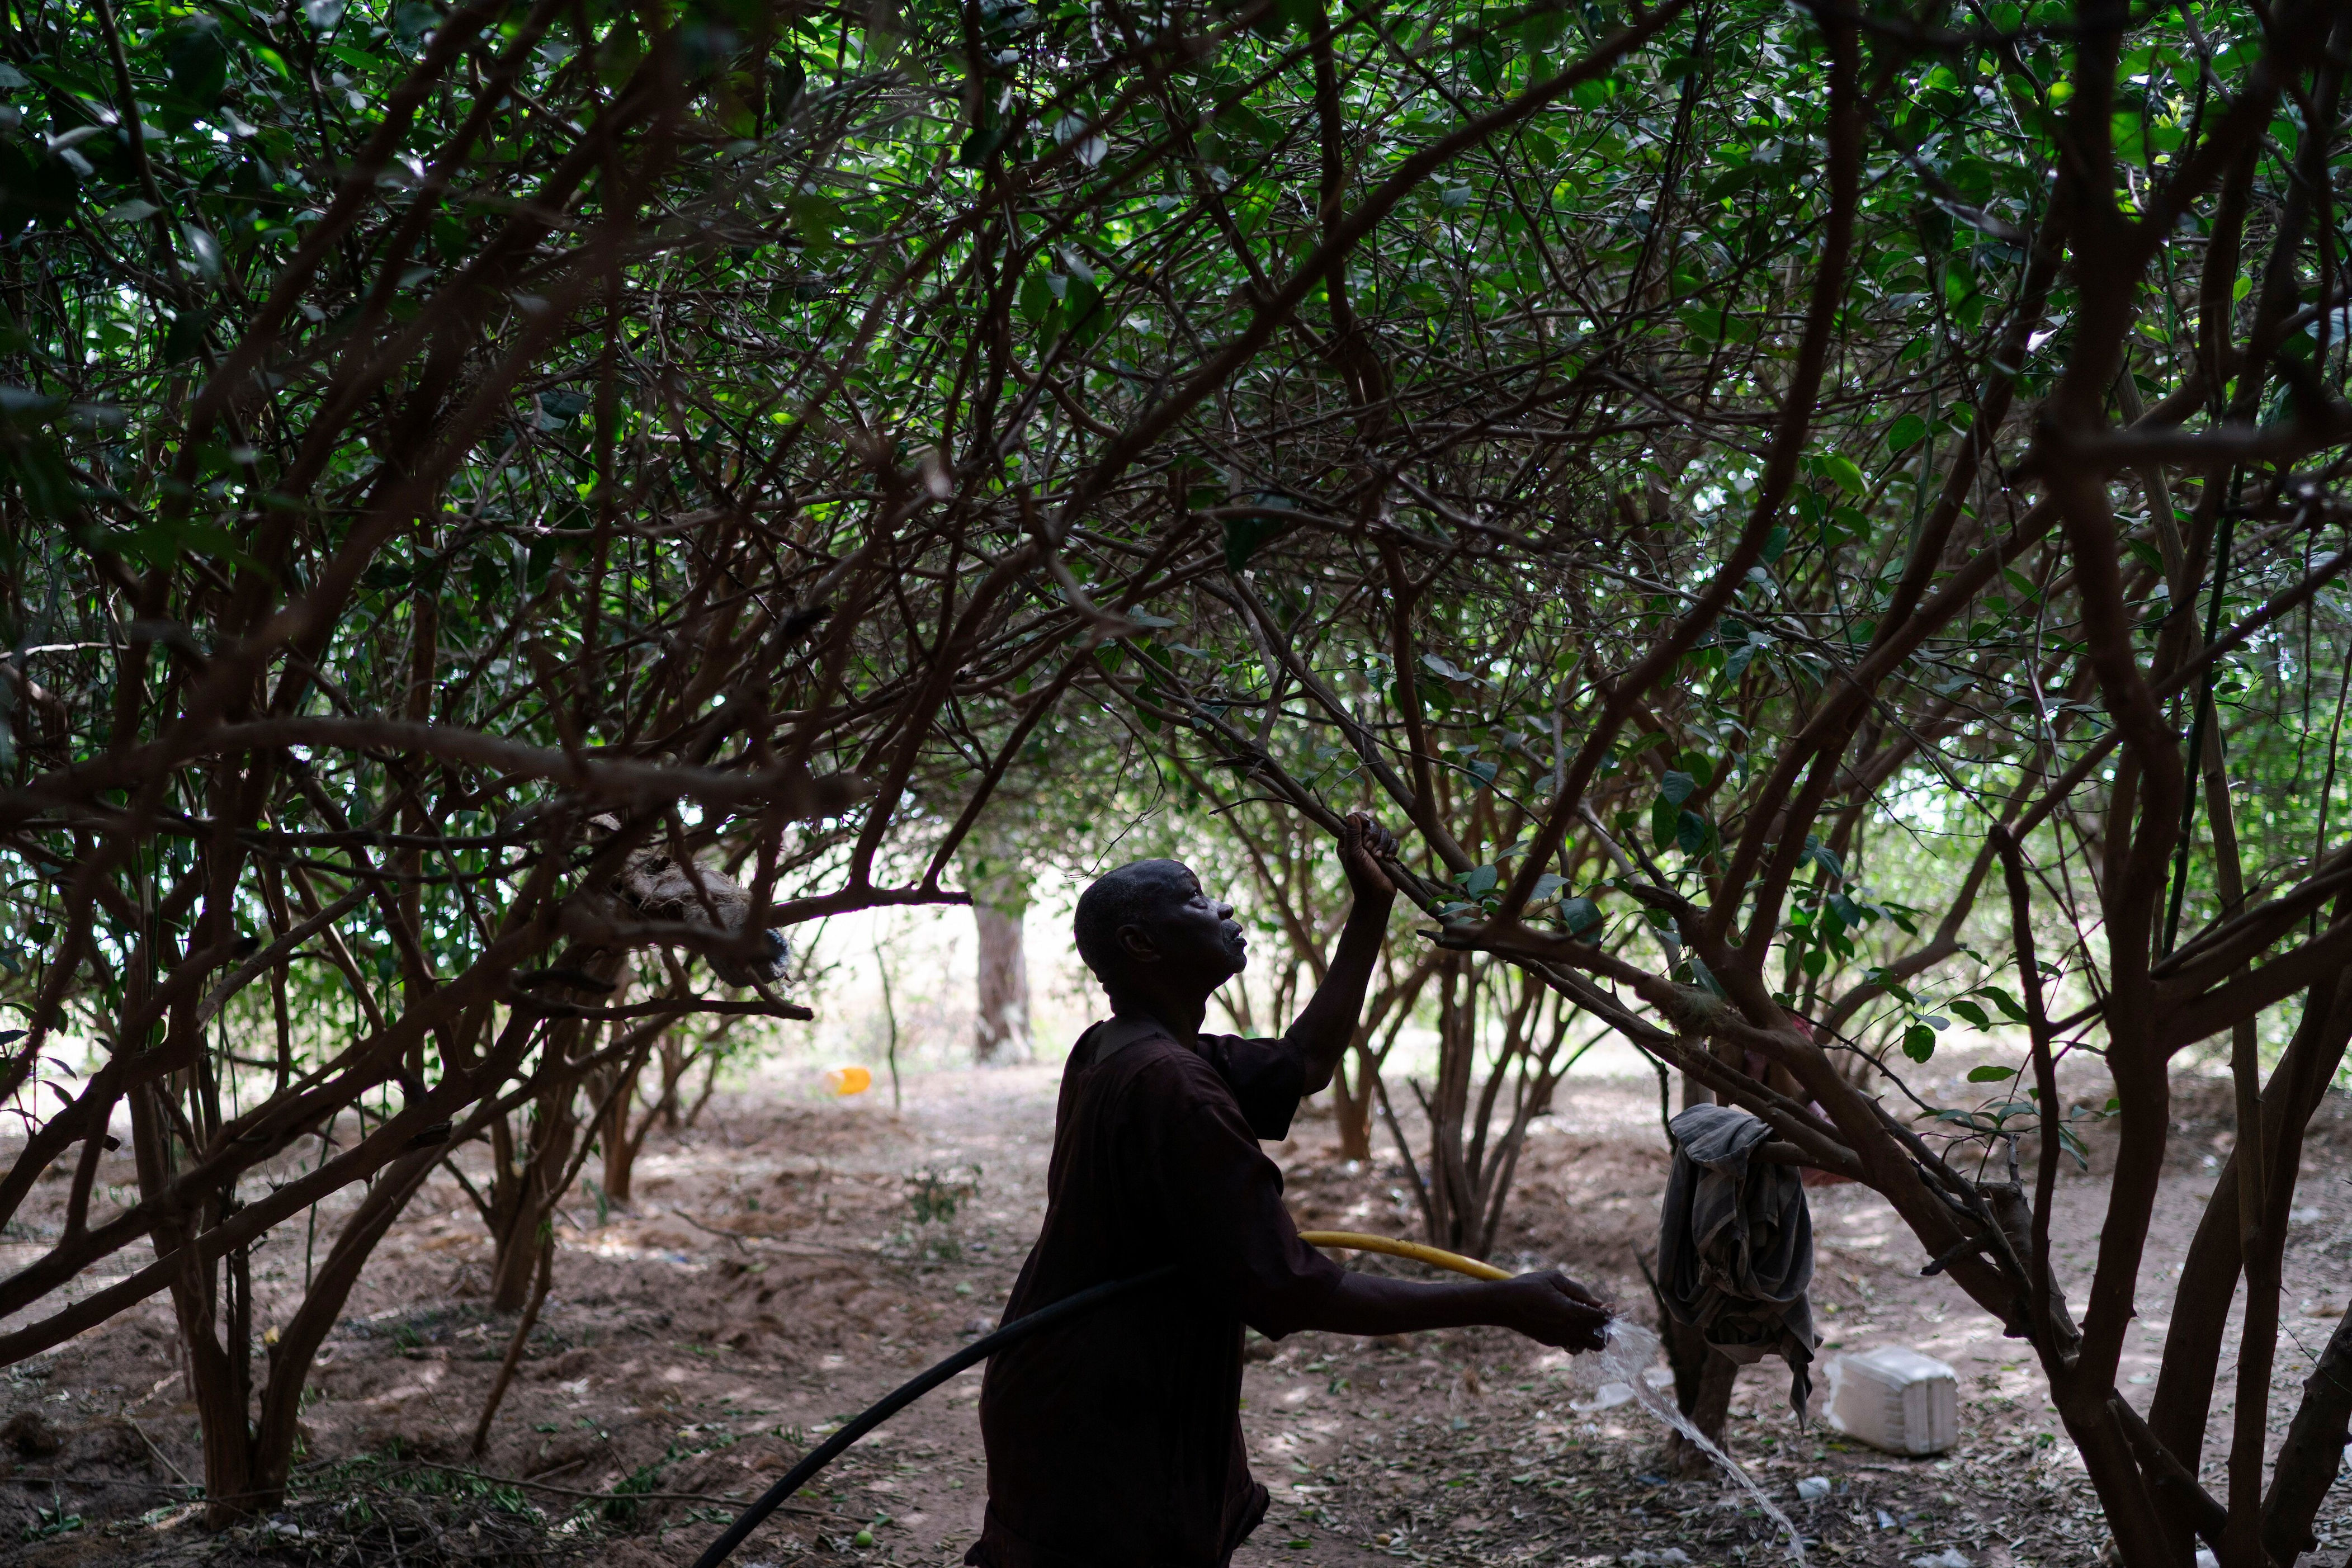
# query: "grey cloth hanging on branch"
{"type": "Point", "coordinates": [1736, 1245]}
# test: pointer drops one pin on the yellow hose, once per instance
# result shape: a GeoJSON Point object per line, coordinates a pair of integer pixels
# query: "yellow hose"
{"type": "Point", "coordinates": [1357, 1242]}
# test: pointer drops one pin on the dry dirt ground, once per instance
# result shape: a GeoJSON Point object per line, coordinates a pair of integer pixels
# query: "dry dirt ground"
{"type": "Point", "coordinates": [772, 1277]}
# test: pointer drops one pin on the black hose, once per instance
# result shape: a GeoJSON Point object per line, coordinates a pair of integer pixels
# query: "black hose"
{"type": "Point", "coordinates": [906, 1393]}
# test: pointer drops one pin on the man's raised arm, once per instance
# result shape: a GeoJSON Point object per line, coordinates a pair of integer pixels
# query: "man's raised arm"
{"type": "Point", "coordinates": [1328, 1022]}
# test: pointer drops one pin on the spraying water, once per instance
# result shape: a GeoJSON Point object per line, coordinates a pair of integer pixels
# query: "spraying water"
{"type": "Point", "coordinates": [1629, 1353]}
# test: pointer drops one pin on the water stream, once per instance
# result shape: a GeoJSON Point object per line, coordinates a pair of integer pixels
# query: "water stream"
{"type": "Point", "coordinates": [1629, 1352]}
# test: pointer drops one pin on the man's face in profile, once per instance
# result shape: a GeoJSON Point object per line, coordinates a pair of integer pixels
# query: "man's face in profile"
{"type": "Point", "coordinates": [1187, 932]}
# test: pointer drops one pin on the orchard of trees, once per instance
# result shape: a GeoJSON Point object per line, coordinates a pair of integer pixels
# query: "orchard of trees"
{"type": "Point", "coordinates": [1816, 523]}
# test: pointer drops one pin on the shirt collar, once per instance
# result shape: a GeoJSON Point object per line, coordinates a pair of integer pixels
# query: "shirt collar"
{"type": "Point", "coordinates": [1116, 1036]}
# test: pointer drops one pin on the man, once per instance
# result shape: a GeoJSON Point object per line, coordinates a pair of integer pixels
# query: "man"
{"type": "Point", "coordinates": [1115, 1440]}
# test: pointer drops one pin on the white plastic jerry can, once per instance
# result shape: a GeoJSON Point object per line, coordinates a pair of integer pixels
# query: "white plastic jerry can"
{"type": "Point", "coordinates": [1896, 1399]}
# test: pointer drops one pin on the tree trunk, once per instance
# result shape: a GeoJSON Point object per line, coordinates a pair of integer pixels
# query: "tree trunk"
{"type": "Point", "coordinates": [673, 1065]}
{"type": "Point", "coordinates": [525, 1192]}
{"type": "Point", "coordinates": [2314, 1451]}
{"type": "Point", "coordinates": [1703, 1377]}
{"type": "Point", "coordinates": [1471, 1159]}
{"type": "Point", "coordinates": [1352, 1102]}
{"type": "Point", "coordinates": [278, 1430]}
{"type": "Point", "coordinates": [996, 869]}
{"type": "Point", "coordinates": [1449, 1180]}
{"type": "Point", "coordinates": [249, 1447]}
{"type": "Point", "coordinates": [529, 1177]}
{"type": "Point", "coordinates": [1356, 1096]}
{"type": "Point", "coordinates": [1708, 1403]}
{"type": "Point", "coordinates": [530, 1172]}
{"type": "Point", "coordinates": [218, 1373]}
{"type": "Point", "coordinates": [1001, 1024]}
{"type": "Point", "coordinates": [612, 1133]}
{"type": "Point", "coordinates": [2179, 1414]}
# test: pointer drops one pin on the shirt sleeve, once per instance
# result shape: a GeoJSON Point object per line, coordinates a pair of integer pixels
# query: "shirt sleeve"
{"type": "Point", "coordinates": [1220, 1201]}
{"type": "Point", "coordinates": [1267, 1078]}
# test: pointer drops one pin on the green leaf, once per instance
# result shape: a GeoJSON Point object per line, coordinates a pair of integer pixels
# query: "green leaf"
{"type": "Point", "coordinates": [1676, 787]}
{"type": "Point", "coordinates": [982, 145]}
{"type": "Point", "coordinates": [184, 339]}
{"type": "Point", "coordinates": [1082, 301]}
{"type": "Point", "coordinates": [486, 574]}
{"type": "Point", "coordinates": [2130, 141]}
{"type": "Point", "coordinates": [1906, 433]}
{"type": "Point", "coordinates": [2005, 1001]}
{"type": "Point", "coordinates": [132, 211]}
{"type": "Point", "coordinates": [359, 60]}
{"type": "Point", "coordinates": [1841, 470]}
{"type": "Point", "coordinates": [204, 249]}
{"type": "Point", "coordinates": [1544, 29]}
{"type": "Point", "coordinates": [1821, 854]}
{"type": "Point", "coordinates": [1971, 1012]}
{"type": "Point", "coordinates": [1693, 834]}
{"type": "Point", "coordinates": [1580, 915]}
{"type": "Point", "coordinates": [450, 239]}
{"type": "Point", "coordinates": [1894, 987]}
{"type": "Point", "coordinates": [34, 186]}
{"type": "Point", "coordinates": [1919, 1042]}
{"type": "Point", "coordinates": [50, 488]}
{"type": "Point", "coordinates": [1479, 880]}
{"type": "Point", "coordinates": [1244, 535]}
{"type": "Point", "coordinates": [1484, 62]}
{"type": "Point", "coordinates": [618, 56]}
{"type": "Point", "coordinates": [785, 86]}
{"type": "Point", "coordinates": [1990, 1074]}
{"type": "Point", "coordinates": [1708, 324]}
{"type": "Point", "coordinates": [1436, 664]}
{"type": "Point", "coordinates": [559, 408]}
{"type": "Point", "coordinates": [412, 20]}
{"type": "Point", "coordinates": [1731, 182]}
{"type": "Point", "coordinates": [1284, 18]}
{"type": "Point", "coordinates": [197, 59]}
{"type": "Point", "coordinates": [1663, 821]}
{"type": "Point", "coordinates": [1036, 298]}
{"type": "Point", "coordinates": [1548, 887]}
{"type": "Point", "coordinates": [813, 219]}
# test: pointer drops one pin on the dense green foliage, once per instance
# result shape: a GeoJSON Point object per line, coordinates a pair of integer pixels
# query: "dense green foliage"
{"type": "Point", "coordinates": [1749, 487]}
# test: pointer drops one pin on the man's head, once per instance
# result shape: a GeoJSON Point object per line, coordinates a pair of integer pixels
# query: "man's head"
{"type": "Point", "coordinates": [1148, 933]}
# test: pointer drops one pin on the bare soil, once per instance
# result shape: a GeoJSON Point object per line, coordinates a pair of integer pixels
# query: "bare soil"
{"type": "Point", "coordinates": [772, 1277]}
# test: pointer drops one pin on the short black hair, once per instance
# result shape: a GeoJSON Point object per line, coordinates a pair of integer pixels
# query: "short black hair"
{"type": "Point", "coordinates": [1117, 899]}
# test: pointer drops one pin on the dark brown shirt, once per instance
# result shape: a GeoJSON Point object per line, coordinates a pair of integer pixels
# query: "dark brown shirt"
{"type": "Point", "coordinates": [1115, 1440]}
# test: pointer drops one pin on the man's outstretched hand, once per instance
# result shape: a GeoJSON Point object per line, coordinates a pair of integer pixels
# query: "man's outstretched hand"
{"type": "Point", "coordinates": [1363, 844]}
{"type": "Point", "coordinates": [1553, 1308]}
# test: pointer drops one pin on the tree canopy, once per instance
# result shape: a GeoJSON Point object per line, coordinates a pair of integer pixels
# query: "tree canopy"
{"type": "Point", "coordinates": [1825, 521]}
